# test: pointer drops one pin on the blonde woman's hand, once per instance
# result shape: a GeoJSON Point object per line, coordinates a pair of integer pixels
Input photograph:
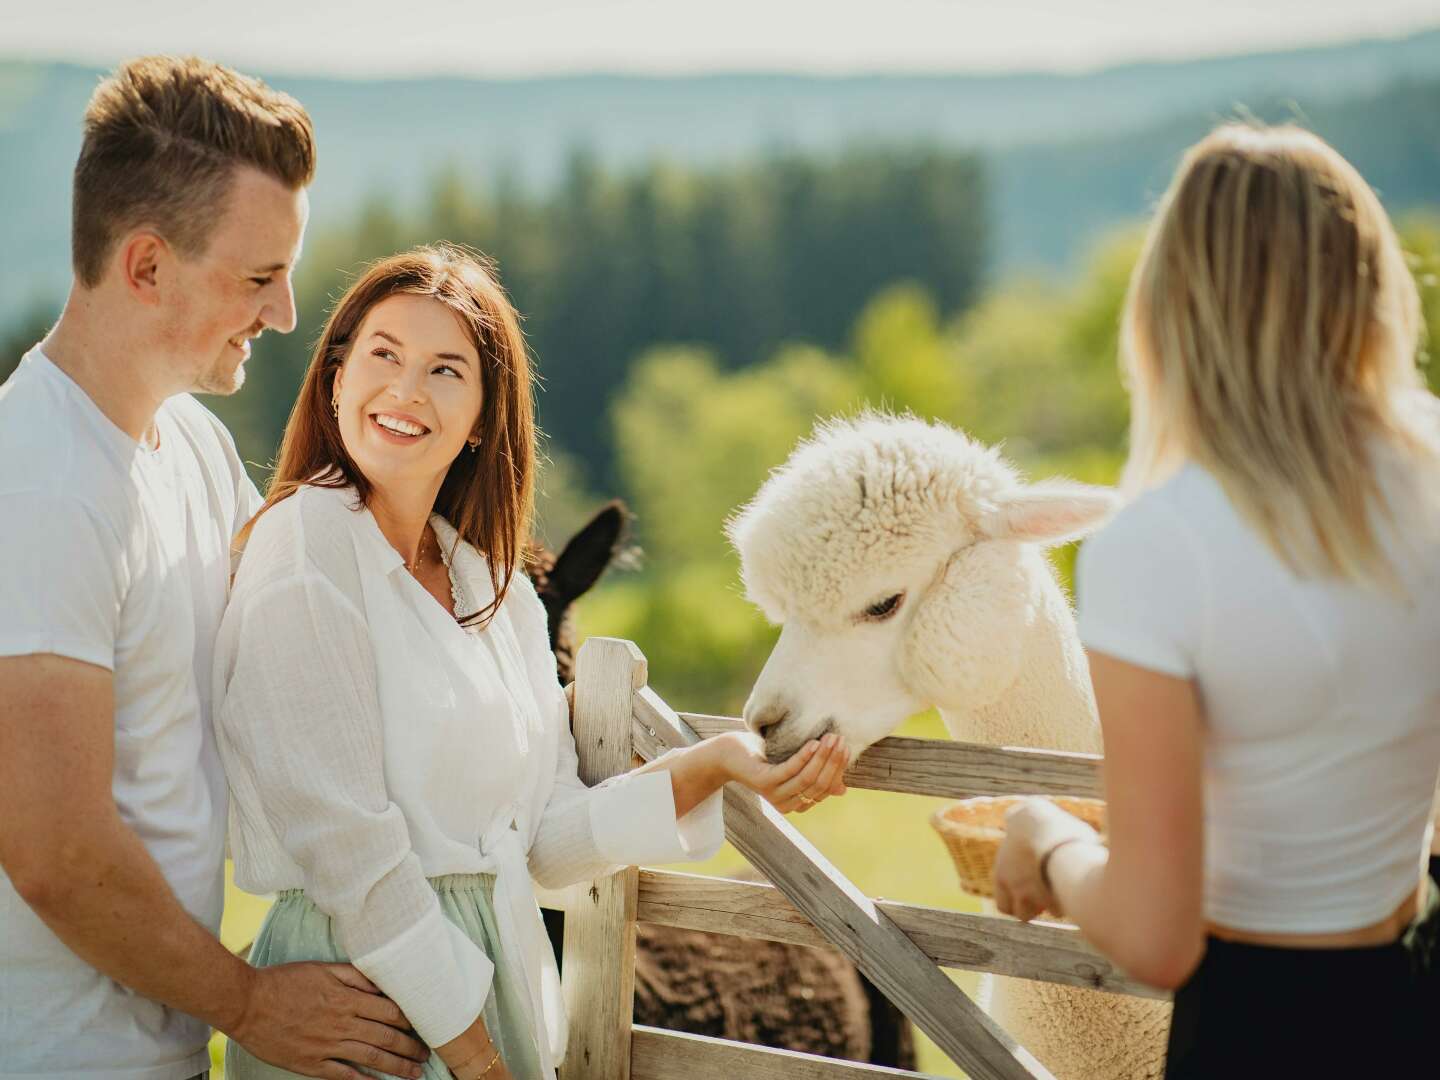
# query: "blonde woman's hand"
{"type": "Point", "coordinates": [802, 781]}
{"type": "Point", "coordinates": [1033, 828]}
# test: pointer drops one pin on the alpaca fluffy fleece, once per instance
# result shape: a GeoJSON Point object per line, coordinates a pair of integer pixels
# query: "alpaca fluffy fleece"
{"type": "Point", "coordinates": [882, 507]}
{"type": "Point", "coordinates": [857, 495]}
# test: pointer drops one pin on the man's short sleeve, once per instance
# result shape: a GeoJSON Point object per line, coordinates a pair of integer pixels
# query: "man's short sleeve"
{"type": "Point", "coordinates": [62, 579]}
{"type": "Point", "coordinates": [1140, 590]}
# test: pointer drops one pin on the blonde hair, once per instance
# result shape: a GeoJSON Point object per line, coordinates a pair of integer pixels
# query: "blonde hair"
{"type": "Point", "coordinates": [163, 136]}
{"type": "Point", "coordinates": [1270, 335]}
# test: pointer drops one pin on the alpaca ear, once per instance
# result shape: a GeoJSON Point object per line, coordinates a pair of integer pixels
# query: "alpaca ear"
{"type": "Point", "coordinates": [1049, 513]}
{"type": "Point", "coordinates": [588, 554]}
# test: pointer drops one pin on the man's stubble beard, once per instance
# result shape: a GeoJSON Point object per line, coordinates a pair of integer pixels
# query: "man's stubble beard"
{"type": "Point", "coordinates": [220, 379]}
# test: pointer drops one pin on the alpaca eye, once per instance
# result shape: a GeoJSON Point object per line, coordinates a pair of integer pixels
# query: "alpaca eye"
{"type": "Point", "coordinates": [883, 609]}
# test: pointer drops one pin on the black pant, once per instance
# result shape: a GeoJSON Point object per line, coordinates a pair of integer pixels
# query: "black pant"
{"type": "Point", "coordinates": [1352, 1014]}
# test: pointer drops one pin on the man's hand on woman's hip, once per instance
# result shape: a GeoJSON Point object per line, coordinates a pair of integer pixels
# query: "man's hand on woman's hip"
{"type": "Point", "coordinates": [322, 1020]}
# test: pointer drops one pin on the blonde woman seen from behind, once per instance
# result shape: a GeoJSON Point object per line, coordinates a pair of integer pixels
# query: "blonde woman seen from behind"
{"type": "Point", "coordinates": [397, 744]}
{"type": "Point", "coordinates": [1262, 620]}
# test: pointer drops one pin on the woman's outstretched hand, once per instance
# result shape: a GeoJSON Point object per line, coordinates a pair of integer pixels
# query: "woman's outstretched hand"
{"type": "Point", "coordinates": [803, 780]}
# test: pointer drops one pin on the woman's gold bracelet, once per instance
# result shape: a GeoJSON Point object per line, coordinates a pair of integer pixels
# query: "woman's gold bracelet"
{"type": "Point", "coordinates": [489, 1045]}
{"type": "Point", "coordinates": [493, 1062]}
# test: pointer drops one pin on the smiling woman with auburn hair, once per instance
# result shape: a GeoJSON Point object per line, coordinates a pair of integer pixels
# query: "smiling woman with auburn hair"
{"type": "Point", "coordinates": [487, 494]}
{"type": "Point", "coordinates": [397, 744]}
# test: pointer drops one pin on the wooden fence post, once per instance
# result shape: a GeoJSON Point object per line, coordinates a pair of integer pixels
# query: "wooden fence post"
{"type": "Point", "coordinates": [599, 960]}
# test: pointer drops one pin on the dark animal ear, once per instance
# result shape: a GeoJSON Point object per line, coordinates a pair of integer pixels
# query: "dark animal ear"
{"type": "Point", "coordinates": [588, 553]}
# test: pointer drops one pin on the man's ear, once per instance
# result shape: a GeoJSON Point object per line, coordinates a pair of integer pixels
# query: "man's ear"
{"type": "Point", "coordinates": [1054, 512]}
{"type": "Point", "coordinates": [142, 256]}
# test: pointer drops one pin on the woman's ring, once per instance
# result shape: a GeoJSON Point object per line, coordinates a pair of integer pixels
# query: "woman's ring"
{"type": "Point", "coordinates": [807, 800]}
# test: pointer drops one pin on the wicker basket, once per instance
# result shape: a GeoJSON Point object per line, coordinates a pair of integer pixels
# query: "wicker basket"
{"type": "Point", "coordinates": [973, 829]}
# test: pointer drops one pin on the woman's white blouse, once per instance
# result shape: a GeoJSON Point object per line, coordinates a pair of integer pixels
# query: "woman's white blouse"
{"type": "Point", "coordinates": [371, 742]}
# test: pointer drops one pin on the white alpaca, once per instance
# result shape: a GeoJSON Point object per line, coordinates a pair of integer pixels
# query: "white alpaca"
{"type": "Point", "coordinates": [905, 565]}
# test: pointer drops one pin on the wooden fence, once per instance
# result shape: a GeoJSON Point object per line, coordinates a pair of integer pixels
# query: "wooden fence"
{"type": "Point", "coordinates": [901, 948]}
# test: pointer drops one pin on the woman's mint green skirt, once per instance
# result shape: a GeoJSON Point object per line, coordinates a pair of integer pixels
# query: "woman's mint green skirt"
{"type": "Point", "coordinates": [295, 929]}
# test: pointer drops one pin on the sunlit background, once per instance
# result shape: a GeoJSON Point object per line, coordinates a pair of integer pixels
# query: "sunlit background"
{"type": "Point", "coordinates": [722, 221]}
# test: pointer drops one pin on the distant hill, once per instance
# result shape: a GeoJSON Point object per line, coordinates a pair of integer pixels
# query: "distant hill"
{"type": "Point", "coordinates": [1070, 152]}
{"type": "Point", "coordinates": [1051, 200]}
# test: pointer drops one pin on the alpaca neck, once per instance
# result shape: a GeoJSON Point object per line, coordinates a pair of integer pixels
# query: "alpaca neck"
{"type": "Point", "coordinates": [1050, 705]}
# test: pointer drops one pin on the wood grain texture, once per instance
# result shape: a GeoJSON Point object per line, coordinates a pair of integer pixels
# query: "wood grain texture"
{"type": "Point", "coordinates": [657, 1054]}
{"type": "Point", "coordinates": [599, 961]}
{"type": "Point", "coordinates": [953, 939]}
{"type": "Point", "coordinates": [951, 769]}
{"type": "Point", "coordinates": [852, 922]}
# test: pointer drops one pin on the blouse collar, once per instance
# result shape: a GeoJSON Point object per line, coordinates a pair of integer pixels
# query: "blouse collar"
{"type": "Point", "coordinates": [469, 570]}
{"type": "Point", "coordinates": [384, 557]}
{"type": "Point", "coordinates": [454, 552]}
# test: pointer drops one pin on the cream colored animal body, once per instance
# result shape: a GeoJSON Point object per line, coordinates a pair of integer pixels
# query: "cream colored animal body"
{"type": "Point", "coordinates": [905, 564]}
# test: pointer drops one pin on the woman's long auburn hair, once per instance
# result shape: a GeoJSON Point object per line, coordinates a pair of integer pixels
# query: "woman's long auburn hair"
{"type": "Point", "coordinates": [489, 495]}
{"type": "Point", "coordinates": [1271, 335]}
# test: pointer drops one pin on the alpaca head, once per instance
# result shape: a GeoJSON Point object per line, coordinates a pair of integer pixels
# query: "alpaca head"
{"type": "Point", "coordinates": [562, 579]}
{"type": "Point", "coordinates": [898, 557]}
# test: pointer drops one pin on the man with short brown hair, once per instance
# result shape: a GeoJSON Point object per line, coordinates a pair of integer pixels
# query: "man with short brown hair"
{"type": "Point", "coordinates": [120, 495]}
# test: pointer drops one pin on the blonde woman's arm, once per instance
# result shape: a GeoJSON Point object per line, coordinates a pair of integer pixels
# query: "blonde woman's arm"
{"type": "Point", "coordinates": [1139, 901]}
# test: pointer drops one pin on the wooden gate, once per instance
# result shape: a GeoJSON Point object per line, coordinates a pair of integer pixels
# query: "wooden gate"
{"type": "Point", "coordinates": [901, 948]}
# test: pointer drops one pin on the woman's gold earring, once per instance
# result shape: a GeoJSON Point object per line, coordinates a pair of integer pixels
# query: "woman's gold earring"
{"type": "Point", "coordinates": [474, 445]}
{"type": "Point", "coordinates": [335, 407]}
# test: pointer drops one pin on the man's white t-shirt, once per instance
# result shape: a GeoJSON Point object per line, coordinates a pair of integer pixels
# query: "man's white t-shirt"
{"type": "Point", "coordinates": [118, 555]}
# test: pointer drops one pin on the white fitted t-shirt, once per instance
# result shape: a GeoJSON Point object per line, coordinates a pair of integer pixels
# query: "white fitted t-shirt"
{"type": "Point", "coordinates": [1321, 700]}
{"type": "Point", "coordinates": [118, 556]}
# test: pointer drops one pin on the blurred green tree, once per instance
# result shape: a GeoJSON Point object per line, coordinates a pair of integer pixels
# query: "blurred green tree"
{"type": "Point", "coordinates": [741, 258]}
{"type": "Point", "coordinates": [1033, 366]}
{"type": "Point", "coordinates": [1420, 233]}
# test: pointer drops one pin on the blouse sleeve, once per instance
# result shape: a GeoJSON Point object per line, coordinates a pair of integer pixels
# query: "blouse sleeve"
{"type": "Point", "coordinates": [584, 832]}
{"type": "Point", "coordinates": [301, 707]}
{"type": "Point", "coordinates": [1141, 586]}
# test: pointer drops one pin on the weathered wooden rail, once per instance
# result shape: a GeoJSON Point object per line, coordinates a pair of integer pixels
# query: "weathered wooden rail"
{"type": "Point", "coordinates": [900, 947]}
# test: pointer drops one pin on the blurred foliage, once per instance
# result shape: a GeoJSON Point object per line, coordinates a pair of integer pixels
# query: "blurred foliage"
{"type": "Point", "coordinates": [692, 326]}
{"type": "Point", "coordinates": [605, 265]}
{"type": "Point", "coordinates": [1421, 235]}
{"type": "Point", "coordinates": [15, 339]}
{"type": "Point", "coordinates": [1031, 364]}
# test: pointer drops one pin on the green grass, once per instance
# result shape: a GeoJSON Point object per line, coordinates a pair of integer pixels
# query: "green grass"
{"type": "Point", "coordinates": [881, 841]}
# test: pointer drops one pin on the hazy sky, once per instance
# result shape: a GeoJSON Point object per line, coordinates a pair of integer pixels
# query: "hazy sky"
{"type": "Point", "coordinates": [520, 37]}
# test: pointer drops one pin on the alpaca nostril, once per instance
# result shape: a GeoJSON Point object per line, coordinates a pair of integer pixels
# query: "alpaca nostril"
{"type": "Point", "coordinates": [768, 720]}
